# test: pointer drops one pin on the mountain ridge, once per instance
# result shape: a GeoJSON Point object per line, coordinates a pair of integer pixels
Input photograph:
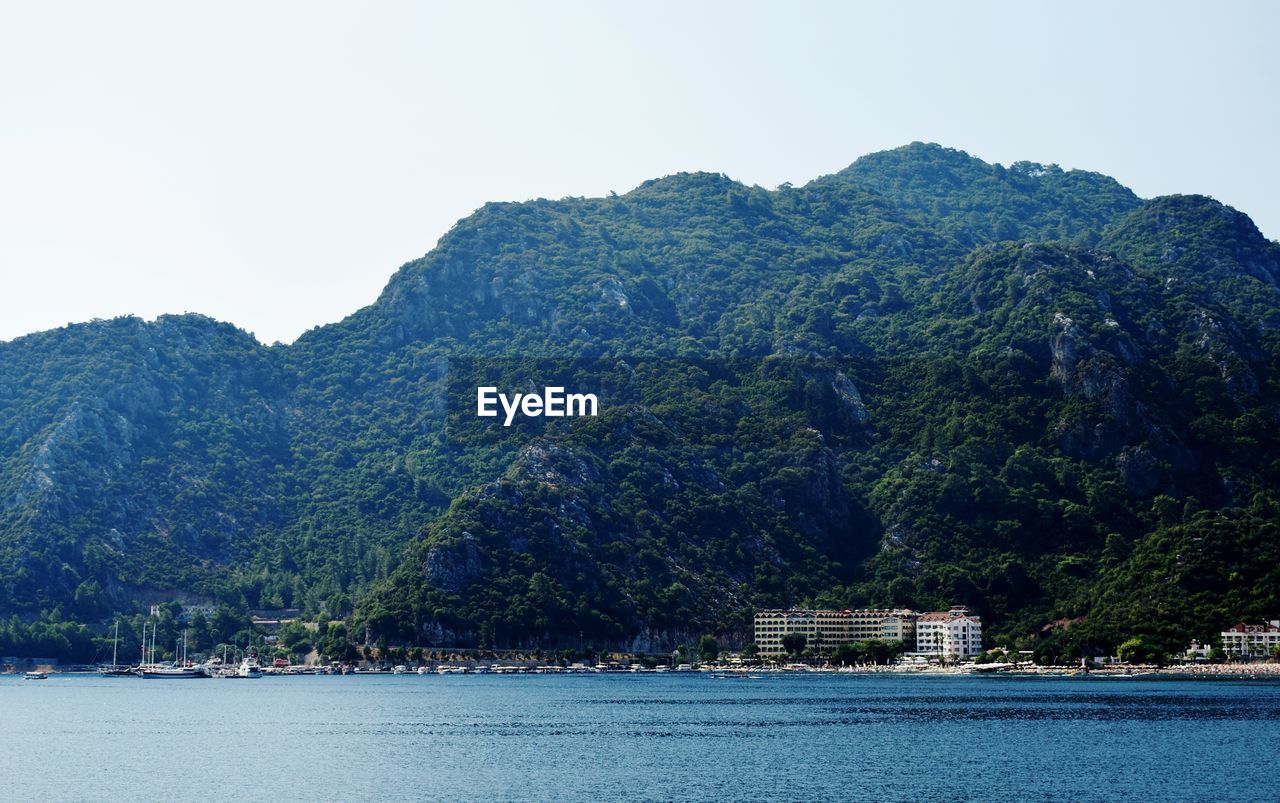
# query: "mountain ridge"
{"type": "Point", "coordinates": [807, 385]}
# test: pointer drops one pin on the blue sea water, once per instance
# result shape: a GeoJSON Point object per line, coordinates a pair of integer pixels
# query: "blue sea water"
{"type": "Point", "coordinates": [609, 737]}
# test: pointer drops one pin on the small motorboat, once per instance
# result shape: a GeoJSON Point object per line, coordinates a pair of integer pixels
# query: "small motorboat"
{"type": "Point", "coordinates": [248, 668]}
{"type": "Point", "coordinates": [36, 675]}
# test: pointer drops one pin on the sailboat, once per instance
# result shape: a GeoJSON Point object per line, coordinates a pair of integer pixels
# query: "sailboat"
{"type": "Point", "coordinates": [171, 671]}
{"type": "Point", "coordinates": [115, 670]}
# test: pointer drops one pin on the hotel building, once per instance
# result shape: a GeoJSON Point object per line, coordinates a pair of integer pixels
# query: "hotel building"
{"type": "Point", "coordinates": [949, 634]}
{"type": "Point", "coordinates": [1251, 641]}
{"type": "Point", "coordinates": [824, 630]}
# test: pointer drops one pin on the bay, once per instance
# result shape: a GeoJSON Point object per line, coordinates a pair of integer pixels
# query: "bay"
{"type": "Point", "coordinates": [612, 737]}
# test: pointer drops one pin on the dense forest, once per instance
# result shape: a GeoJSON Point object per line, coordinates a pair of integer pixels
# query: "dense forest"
{"type": "Point", "coordinates": [924, 380]}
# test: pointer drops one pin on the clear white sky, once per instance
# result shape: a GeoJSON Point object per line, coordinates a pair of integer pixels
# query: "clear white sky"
{"type": "Point", "coordinates": [271, 164]}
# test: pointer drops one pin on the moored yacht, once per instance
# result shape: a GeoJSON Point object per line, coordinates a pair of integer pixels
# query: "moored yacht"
{"type": "Point", "coordinates": [169, 672]}
{"type": "Point", "coordinates": [249, 668]}
{"type": "Point", "coordinates": [115, 670]}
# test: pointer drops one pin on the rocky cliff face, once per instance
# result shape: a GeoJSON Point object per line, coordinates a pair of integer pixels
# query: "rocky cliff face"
{"type": "Point", "coordinates": [136, 437]}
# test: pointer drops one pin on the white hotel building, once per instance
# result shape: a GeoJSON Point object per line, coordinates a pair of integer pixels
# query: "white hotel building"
{"type": "Point", "coordinates": [943, 635]}
{"type": "Point", "coordinates": [1251, 641]}
{"type": "Point", "coordinates": [948, 635]}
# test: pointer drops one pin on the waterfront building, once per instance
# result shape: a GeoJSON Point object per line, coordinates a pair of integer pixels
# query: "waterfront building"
{"type": "Point", "coordinates": [1246, 640]}
{"type": "Point", "coordinates": [1197, 651]}
{"type": "Point", "coordinates": [825, 630]}
{"type": "Point", "coordinates": [949, 634]}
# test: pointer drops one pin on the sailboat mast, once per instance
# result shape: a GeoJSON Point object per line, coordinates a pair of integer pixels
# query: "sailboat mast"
{"type": "Point", "coordinates": [115, 639]}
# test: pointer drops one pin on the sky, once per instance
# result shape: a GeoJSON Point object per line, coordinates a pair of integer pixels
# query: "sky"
{"type": "Point", "coordinates": [272, 164]}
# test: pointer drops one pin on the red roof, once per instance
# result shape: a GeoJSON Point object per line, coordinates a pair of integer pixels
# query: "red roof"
{"type": "Point", "coordinates": [1245, 627]}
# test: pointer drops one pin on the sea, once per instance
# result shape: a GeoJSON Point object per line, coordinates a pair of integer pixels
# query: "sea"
{"type": "Point", "coordinates": [640, 737]}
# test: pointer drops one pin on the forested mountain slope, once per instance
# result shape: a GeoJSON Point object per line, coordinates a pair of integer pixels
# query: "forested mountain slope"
{"type": "Point", "coordinates": [922, 380]}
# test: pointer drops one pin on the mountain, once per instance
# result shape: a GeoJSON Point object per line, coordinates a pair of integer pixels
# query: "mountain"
{"type": "Point", "coordinates": [922, 380]}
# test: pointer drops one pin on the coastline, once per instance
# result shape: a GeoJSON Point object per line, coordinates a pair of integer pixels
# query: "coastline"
{"type": "Point", "coordinates": [1217, 671]}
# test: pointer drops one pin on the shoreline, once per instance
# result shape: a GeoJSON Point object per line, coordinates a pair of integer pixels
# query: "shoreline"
{"type": "Point", "coordinates": [1219, 671]}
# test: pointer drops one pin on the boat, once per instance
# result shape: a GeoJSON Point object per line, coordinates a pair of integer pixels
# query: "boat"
{"type": "Point", "coordinates": [296, 669]}
{"type": "Point", "coordinates": [249, 668]}
{"type": "Point", "coordinates": [36, 675]}
{"type": "Point", "coordinates": [115, 670]}
{"type": "Point", "coordinates": [170, 671]}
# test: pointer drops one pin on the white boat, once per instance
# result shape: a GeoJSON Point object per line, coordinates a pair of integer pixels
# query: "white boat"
{"type": "Point", "coordinates": [246, 669]}
{"type": "Point", "coordinates": [37, 675]}
{"type": "Point", "coordinates": [169, 672]}
{"type": "Point", "coordinates": [115, 670]}
{"type": "Point", "coordinates": [249, 668]}
{"type": "Point", "coordinates": [297, 669]}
